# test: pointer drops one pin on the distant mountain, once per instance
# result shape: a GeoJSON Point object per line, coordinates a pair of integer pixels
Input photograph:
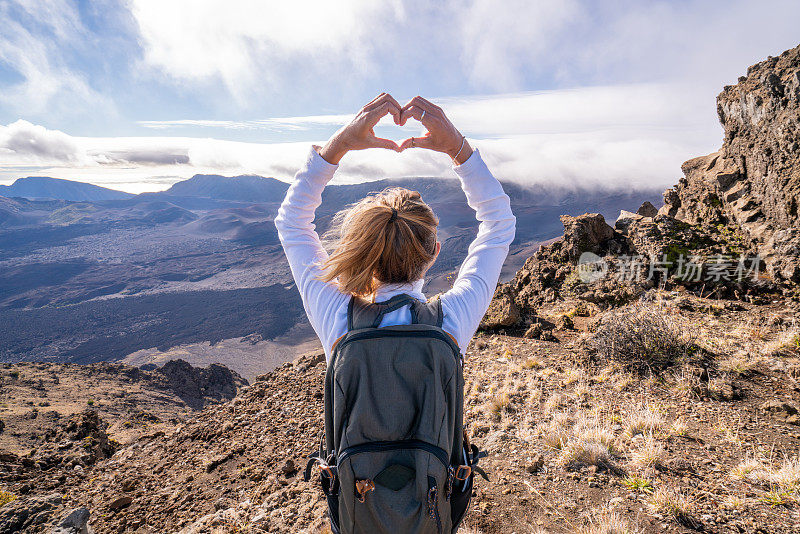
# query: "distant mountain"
{"type": "Point", "coordinates": [43, 187]}
{"type": "Point", "coordinates": [240, 188]}
{"type": "Point", "coordinates": [201, 262]}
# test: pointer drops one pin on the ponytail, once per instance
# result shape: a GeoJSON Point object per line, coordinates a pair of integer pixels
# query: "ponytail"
{"type": "Point", "coordinates": [389, 237]}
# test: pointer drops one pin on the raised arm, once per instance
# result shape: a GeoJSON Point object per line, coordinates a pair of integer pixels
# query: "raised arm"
{"type": "Point", "coordinates": [477, 278]}
{"type": "Point", "coordinates": [302, 245]}
{"type": "Point", "coordinates": [474, 287]}
{"type": "Point", "coordinates": [297, 232]}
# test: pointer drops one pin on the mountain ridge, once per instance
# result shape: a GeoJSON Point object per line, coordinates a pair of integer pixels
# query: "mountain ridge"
{"type": "Point", "coordinates": [44, 187]}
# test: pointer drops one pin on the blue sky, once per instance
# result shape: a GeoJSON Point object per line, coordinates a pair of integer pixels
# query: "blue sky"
{"type": "Point", "coordinates": [137, 94]}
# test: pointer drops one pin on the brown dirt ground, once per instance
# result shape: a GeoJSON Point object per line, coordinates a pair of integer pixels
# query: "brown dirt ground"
{"type": "Point", "coordinates": [227, 469]}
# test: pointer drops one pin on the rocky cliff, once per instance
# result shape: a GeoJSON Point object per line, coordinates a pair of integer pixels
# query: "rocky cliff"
{"type": "Point", "coordinates": [753, 181]}
{"type": "Point", "coordinates": [728, 228]}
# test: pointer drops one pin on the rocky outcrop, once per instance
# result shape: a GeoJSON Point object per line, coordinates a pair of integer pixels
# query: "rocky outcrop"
{"type": "Point", "coordinates": [608, 265]}
{"type": "Point", "coordinates": [546, 275]}
{"type": "Point", "coordinates": [753, 182]}
{"type": "Point", "coordinates": [227, 466]}
{"type": "Point", "coordinates": [199, 386]}
{"type": "Point", "coordinates": [63, 454]}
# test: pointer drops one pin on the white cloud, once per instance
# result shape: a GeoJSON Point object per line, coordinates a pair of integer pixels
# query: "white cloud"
{"type": "Point", "coordinates": [274, 124]}
{"type": "Point", "coordinates": [494, 40]}
{"type": "Point", "coordinates": [582, 42]}
{"type": "Point", "coordinates": [246, 42]}
{"type": "Point", "coordinates": [611, 137]}
{"type": "Point", "coordinates": [26, 143]}
{"type": "Point", "coordinates": [36, 52]}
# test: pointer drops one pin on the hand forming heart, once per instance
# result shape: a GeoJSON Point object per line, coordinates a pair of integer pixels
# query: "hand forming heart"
{"type": "Point", "coordinates": [441, 136]}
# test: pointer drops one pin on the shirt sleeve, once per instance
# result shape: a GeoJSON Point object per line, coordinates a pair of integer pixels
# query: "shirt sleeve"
{"type": "Point", "coordinates": [302, 245]}
{"type": "Point", "coordinates": [477, 278]}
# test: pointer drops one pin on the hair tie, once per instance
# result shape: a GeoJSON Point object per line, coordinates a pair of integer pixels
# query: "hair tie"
{"type": "Point", "coordinates": [394, 215]}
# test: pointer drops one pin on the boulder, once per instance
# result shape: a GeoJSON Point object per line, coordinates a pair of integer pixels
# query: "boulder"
{"type": "Point", "coordinates": [647, 209]}
{"type": "Point", "coordinates": [585, 233]}
{"type": "Point", "coordinates": [625, 220]}
{"type": "Point", "coordinates": [75, 522]}
{"type": "Point", "coordinates": [503, 310]}
{"type": "Point", "coordinates": [198, 386]}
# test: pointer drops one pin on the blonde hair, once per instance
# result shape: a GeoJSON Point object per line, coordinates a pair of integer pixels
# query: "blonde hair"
{"type": "Point", "coordinates": [388, 237]}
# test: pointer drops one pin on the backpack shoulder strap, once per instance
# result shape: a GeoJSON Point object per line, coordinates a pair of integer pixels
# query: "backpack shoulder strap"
{"type": "Point", "coordinates": [429, 312]}
{"type": "Point", "coordinates": [364, 314]}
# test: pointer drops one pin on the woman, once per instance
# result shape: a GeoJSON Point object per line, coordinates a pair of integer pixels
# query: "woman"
{"type": "Point", "coordinates": [388, 241]}
{"type": "Point", "coordinates": [394, 459]}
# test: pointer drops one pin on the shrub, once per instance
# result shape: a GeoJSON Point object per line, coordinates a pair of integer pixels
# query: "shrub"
{"type": "Point", "coordinates": [642, 338]}
{"type": "Point", "coordinates": [6, 497]}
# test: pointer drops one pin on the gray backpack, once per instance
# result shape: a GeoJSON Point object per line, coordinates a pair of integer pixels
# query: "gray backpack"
{"type": "Point", "coordinates": [395, 459]}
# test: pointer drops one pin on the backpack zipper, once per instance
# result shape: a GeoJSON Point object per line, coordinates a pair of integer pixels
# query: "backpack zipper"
{"type": "Point", "coordinates": [433, 504]}
{"type": "Point", "coordinates": [383, 446]}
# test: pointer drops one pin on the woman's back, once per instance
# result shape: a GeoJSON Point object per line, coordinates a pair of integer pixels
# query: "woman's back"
{"type": "Point", "coordinates": [464, 304]}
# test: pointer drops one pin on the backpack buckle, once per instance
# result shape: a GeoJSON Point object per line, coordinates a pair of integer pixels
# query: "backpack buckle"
{"type": "Point", "coordinates": [363, 487]}
{"type": "Point", "coordinates": [327, 469]}
{"type": "Point", "coordinates": [463, 472]}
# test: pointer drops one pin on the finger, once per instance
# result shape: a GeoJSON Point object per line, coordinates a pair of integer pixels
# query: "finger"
{"type": "Point", "coordinates": [432, 105]}
{"type": "Point", "coordinates": [394, 107]}
{"type": "Point", "coordinates": [425, 141]}
{"type": "Point", "coordinates": [407, 143]}
{"type": "Point", "coordinates": [374, 115]}
{"type": "Point", "coordinates": [417, 142]}
{"type": "Point", "coordinates": [380, 142]}
{"type": "Point", "coordinates": [417, 113]}
{"type": "Point", "coordinates": [384, 97]}
{"type": "Point", "coordinates": [423, 104]}
{"type": "Point", "coordinates": [371, 102]}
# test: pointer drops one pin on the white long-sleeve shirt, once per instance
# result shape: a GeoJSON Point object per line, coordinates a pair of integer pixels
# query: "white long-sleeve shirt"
{"type": "Point", "coordinates": [463, 305]}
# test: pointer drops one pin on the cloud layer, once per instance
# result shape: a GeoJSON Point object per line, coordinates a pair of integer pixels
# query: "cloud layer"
{"type": "Point", "coordinates": [631, 136]}
{"type": "Point", "coordinates": [139, 93]}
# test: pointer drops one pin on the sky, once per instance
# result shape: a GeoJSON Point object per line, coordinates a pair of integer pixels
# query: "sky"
{"type": "Point", "coordinates": [138, 94]}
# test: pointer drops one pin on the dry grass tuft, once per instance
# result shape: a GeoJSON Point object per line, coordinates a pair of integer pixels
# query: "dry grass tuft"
{"type": "Point", "coordinates": [582, 392]}
{"type": "Point", "coordinates": [786, 343]}
{"type": "Point", "coordinates": [646, 419]}
{"type": "Point", "coordinates": [788, 474]}
{"type": "Point", "coordinates": [734, 502]}
{"type": "Point", "coordinates": [498, 403]}
{"type": "Point", "coordinates": [532, 363]}
{"type": "Point", "coordinates": [641, 337]}
{"type": "Point", "coordinates": [608, 521]}
{"type": "Point", "coordinates": [555, 433]}
{"type": "Point", "coordinates": [554, 402]}
{"type": "Point", "coordinates": [751, 470]}
{"type": "Point", "coordinates": [679, 428]}
{"type": "Point", "coordinates": [741, 364]}
{"type": "Point", "coordinates": [573, 375]}
{"type": "Point", "coordinates": [671, 503]}
{"type": "Point", "coordinates": [648, 453]}
{"type": "Point", "coordinates": [582, 452]}
{"type": "Point", "coordinates": [785, 478]}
